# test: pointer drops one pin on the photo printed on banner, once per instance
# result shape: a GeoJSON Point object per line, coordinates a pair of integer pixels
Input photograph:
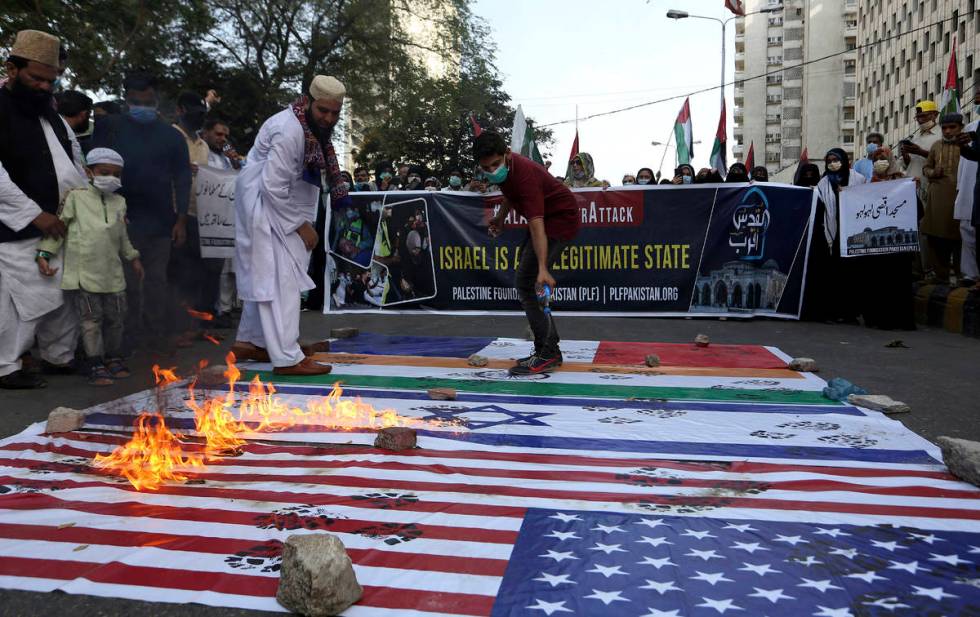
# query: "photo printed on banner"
{"type": "Point", "coordinates": [381, 254]}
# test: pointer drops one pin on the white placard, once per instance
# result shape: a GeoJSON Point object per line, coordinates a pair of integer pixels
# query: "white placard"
{"type": "Point", "coordinates": [215, 190]}
{"type": "Point", "coordinates": [878, 218]}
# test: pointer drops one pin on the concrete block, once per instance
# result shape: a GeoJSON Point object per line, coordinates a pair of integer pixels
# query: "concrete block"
{"type": "Point", "coordinates": [652, 360]}
{"type": "Point", "coordinates": [317, 578]}
{"type": "Point", "coordinates": [804, 365]}
{"type": "Point", "coordinates": [64, 420]}
{"type": "Point", "coordinates": [442, 394]}
{"type": "Point", "coordinates": [702, 340]}
{"type": "Point", "coordinates": [477, 360]}
{"type": "Point", "coordinates": [878, 402]}
{"type": "Point", "coordinates": [395, 438]}
{"type": "Point", "coordinates": [962, 457]}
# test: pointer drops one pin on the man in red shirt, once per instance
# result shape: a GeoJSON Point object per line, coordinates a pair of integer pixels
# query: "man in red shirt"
{"type": "Point", "coordinates": [552, 221]}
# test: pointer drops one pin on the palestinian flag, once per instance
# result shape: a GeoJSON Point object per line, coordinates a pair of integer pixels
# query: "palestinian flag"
{"type": "Point", "coordinates": [522, 138]}
{"type": "Point", "coordinates": [719, 152]}
{"type": "Point", "coordinates": [684, 135]}
{"type": "Point", "coordinates": [950, 102]}
{"type": "Point", "coordinates": [750, 157]}
{"type": "Point", "coordinates": [735, 6]}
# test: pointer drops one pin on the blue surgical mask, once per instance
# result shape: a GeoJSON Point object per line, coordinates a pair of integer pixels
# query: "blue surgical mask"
{"type": "Point", "coordinates": [144, 114]}
{"type": "Point", "coordinates": [455, 181]}
{"type": "Point", "coordinates": [687, 179]}
{"type": "Point", "coordinates": [498, 176]}
{"type": "Point", "coordinates": [872, 148]}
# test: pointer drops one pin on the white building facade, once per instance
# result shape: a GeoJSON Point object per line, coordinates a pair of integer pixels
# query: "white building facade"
{"type": "Point", "coordinates": [896, 71]}
{"type": "Point", "coordinates": [783, 105]}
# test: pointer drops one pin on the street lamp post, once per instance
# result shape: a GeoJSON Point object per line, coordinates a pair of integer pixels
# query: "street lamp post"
{"type": "Point", "coordinates": [677, 14]}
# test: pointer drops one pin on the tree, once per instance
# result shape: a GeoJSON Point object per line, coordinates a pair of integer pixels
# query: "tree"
{"type": "Point", "coordinates": [107, 38]}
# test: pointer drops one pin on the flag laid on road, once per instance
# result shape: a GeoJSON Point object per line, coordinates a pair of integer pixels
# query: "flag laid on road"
{"type": "Point", "coordinates": [683, 134]}
{"type": "Point", "coordinates": [750, 496]}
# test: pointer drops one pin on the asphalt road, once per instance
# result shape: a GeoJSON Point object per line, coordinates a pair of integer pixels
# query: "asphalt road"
{"type": "Point", "coordinates": [936, 374]}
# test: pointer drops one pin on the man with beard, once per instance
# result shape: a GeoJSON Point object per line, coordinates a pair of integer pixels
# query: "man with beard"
{"type": "Point", "coordinates": [276, 204]}
{"type": "Point", "coordinates": [39, 161]}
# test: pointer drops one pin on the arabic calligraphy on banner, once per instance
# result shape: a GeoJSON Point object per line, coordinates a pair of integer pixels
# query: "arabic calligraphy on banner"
{"type": "Point", "coordinates": [878, 218]}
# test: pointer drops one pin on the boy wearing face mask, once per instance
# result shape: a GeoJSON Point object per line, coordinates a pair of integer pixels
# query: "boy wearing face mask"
{"type": "Point", "coordinates": [553, 221]}
{"type": "Point", "coordinates": [92, 276]}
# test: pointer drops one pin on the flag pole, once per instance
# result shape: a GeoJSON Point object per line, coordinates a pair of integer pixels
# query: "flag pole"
{"type": "Point", "coordinates": [664, 157]}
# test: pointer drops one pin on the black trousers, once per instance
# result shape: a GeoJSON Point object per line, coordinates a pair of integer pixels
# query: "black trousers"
{"type": "Point", "coordinates": [542, 325]}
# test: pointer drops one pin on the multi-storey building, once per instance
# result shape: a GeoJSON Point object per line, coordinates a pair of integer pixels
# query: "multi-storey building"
{"type": "Point", "coordinates": [782, 103]}
{"type": "Point", "coordinates": [905, 51]}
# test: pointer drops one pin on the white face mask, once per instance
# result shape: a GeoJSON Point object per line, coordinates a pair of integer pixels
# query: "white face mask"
{"type": "Point", "coordinates": [835, 166]}
{"type": "Point", "coordinates": [107, 184]}
{"type": "Point", "coordinates": [881, 166]}
{"type": "Point", "coordinates": [643, 180]}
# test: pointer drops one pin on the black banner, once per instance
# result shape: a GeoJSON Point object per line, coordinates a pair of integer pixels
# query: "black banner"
{"type": "Point", "coordinates": [727, 249]}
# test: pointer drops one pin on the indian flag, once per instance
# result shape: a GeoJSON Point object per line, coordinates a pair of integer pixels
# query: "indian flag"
{"type": "Point", "coordinates": [950, 102]}
{"type": "Point", "coordinates": [719, 152]}
{"type": "Point", "coordinates": [683, 134]}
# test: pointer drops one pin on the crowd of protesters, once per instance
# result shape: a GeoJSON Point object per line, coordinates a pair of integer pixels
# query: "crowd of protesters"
{"type": "Point", "coordinates": [99, 254]}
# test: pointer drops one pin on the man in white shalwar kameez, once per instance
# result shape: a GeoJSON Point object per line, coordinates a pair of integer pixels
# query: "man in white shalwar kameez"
{"type": "Point", "coordinates": [966, 180]}
{"type": "Point", "coordinates": [40, 160]}
{"type": "Point", "coordinates": [276, 200]}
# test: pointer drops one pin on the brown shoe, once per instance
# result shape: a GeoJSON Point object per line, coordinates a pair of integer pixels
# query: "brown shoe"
{"type": "Point", "coordinates": [315, 348]}
{"type": "Point", "coordinates": [248, 351]}
{"type": "Point", "coordinates": [306, 367]}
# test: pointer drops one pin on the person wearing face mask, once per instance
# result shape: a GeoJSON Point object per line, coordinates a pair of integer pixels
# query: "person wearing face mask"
{"type": "Point", "coordinates": [629, 180]}
{"type": "Point", "coordinates": [864, 165]}
{"type": "Point", "coordinates": [684, 174]}
{"type": "Point", "coordinates": [277, 198]}
{"type": "Point", "coordinates": [915, 150]}
{"type": "Point", "coordinates": [830, 292]}
{"type": "Point", "coordinates": [938, 223]}
{"type": "Point", "coordinates": [645, 176]}
{"type": "Point", "coordinates": [384, 175]}
{"type": "Point", "coordinates": [581, 172]}
{"type": "Point", "coordinates": [92, 270]}
{"type": "Point", "coordinates": [40, 160]}
{"type": "Point", "coordinates": [413, 181]}
{"type": "Point", "coordinates": [431, 184]}
{"type": "Point", "coordinates": [553, 218]}
{"type": "Point", "coordinates": [884, 166]}
{"type": "Point", "coordinates": [759, 174]}
{"type": "Point", "coordinates": [156, 183]}
{"type": "Point", "coordinates": [808, 176]}
{"type": "Point", "coordinates": [455, 182]}
{"type": "Point", "coordinates": [738, 173]}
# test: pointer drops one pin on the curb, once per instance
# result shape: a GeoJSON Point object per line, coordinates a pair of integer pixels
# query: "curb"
{"type": "Point", "coordinates": [955, 309]}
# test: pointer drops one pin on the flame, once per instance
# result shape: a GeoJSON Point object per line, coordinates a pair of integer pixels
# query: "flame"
{"type": "Point", "coordinates": [200, 315]}
{"type": "Point", "coordinates": [154, 454]}
{"type": "Point", "coordinates": [212, 339]}
{"type": "Point", "coordinates": [152, 457]}
{"type": "Point", "coordinates": [214, 419]}
{"type": "Point", "coordinates": [165, 376]}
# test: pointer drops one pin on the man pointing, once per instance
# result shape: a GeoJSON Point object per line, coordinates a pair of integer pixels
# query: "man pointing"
{"type": "Point", "coordinates": [276, 202]}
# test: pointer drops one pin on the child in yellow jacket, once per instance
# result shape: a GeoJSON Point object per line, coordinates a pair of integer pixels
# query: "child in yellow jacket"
{"type": "Point", "coordinates": [93, 278]}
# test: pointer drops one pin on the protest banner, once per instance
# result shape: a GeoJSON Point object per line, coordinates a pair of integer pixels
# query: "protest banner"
{"type": "Point", "coordinates": [215, 191]}
{"type": "Point", "coordinates": [878, 218]}
{"type": "Point", "coordinates": [733, 249]}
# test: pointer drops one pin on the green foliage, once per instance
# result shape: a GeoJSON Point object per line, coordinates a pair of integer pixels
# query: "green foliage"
{"type": "Point", "coordinates": [259, 54]}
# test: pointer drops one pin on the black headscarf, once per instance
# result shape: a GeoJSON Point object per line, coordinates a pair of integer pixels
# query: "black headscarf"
{"type": "Point", "coordinates": [809, 175]}
{"type": "Point", "coordinates": [653, 176]}
{"type": "Point", "coordinates": [760, 174]}
{"type": "Point", "coordinates": [843, 175]}
{"type": "Point", "coordinates": [737, 173]}
{"type": "Point", "coordinates": [678, 170]}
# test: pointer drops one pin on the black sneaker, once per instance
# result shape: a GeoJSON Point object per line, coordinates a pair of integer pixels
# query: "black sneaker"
{"type": "Point", "coordinates": [537, 365]}
{"type": "Point", "coordinates": [525, 360]}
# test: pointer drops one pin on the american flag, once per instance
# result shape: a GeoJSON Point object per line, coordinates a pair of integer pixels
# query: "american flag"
{"type": "Point", "coordinates": [592, 504]}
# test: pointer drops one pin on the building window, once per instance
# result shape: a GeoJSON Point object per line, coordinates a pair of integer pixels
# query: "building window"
{"type": "Point", "coordinates": [849, 138]}
{"type": "Point", "coordinates": [850, 67]}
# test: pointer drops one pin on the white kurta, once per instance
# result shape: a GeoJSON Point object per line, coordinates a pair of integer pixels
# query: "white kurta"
{"type": "Point", "coordinates": [31, 305]}
{"type": "Point", "coordinates": [272, 201]}
{"type": "Point", "coordinates": [966, 180]}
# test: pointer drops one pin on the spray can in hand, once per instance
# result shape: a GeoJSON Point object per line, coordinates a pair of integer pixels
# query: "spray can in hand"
{"type": "Point", "coordinates": [544, 298]}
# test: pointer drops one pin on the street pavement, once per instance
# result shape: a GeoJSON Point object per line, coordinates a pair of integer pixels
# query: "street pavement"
{"type": "Point", "coordinates": [935, 373]}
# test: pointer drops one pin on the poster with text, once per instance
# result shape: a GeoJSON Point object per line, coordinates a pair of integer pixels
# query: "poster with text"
{"type": "Point", "coordinates": [878, 218]}
{"type": "Point", "coordinates": [215, 192]}
{"type": "Point", "coordinates": [725, 249]}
